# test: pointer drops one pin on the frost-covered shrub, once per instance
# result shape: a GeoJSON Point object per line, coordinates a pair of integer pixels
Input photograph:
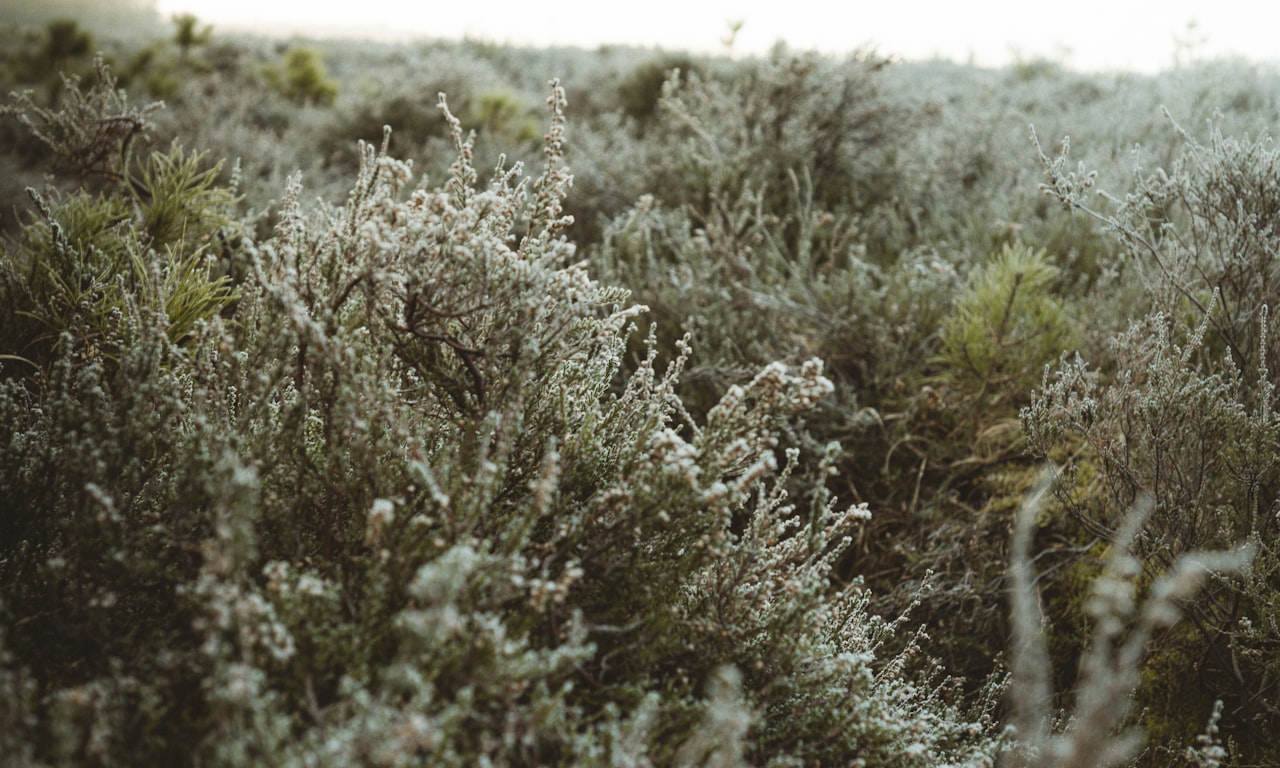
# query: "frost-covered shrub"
{"type": "Point", "coordinates": [403, 506]}
{"type": "Point", "coordinates": [1182, 408]}
{"type": "Point", "coordinates": [756, 125]}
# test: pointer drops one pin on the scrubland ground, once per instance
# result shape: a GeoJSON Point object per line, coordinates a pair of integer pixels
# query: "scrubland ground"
{"type": "Point", "coordinates": [453, 404]}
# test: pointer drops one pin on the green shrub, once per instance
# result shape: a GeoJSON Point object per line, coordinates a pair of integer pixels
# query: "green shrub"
{"type": "Point", "coordinates": [149, 236]}
{"type": "Point", "coordinates": [640, 92]}
{"type": "Point", "coordinates": [187, 34]}
{"type": "Point", "coordinates": [390, 479]}
{"type": "Point", "coordinates": [500, 115]}
{"type": "Point", "coordinates": [90, 132]}
{"type": "Point", "coordinates": [302, 78]}
{"type": "Point", "coordinates": [64, 40]}
{"type": "Point", "coordinates": [1006, 326]}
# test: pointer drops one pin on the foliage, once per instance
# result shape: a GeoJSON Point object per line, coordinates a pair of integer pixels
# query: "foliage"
{"type": "Point", "coordinates": [1098, 734]}
{"type": "Point", "coordinates": [1182, 408]}
{"type": "Point", "coordinates": [93, 131]}
{"type": "Point", "coordinates": [1005, 325]}
{"type": "Point", "coordinates": [64, 39]}
{"type": "Point", "coordinates": [302, 78]}
{"type": "Point", "coordinates": [151, 231]}
{"type": "Point", "coordinates": [187, 33]}
{"type": "Point", "coordinates": [390, 478]}
{"type": "Point", "coordinates": [402, 509]}
{"type": "Point", "coordinates": [499, 115]}
{"type": "Point", "coordinates": [640, 92]}
{"type": "Point", "coordinates": [719, 135]}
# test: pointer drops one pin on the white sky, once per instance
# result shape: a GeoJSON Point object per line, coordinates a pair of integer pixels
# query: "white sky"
{"type": "Point", "coordinates": [1088, 34]}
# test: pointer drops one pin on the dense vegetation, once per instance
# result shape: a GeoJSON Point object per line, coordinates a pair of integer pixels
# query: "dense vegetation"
{"type": "Point", "coordinates": [622, 407]}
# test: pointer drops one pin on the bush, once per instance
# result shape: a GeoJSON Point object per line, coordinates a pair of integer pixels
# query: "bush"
{"type": "Point", "coordinates": [302, 78]}
{"type": "Point", "coordinates": [1006, 325]}
{"type": "Point", "coordinates": [1182, 408]}
{"type": "Point", "coordinates": [754, 127]}
{"type": "Point", "coordinates": [150, 235]}
{"type": "Point", "coordinates": [400, 507]}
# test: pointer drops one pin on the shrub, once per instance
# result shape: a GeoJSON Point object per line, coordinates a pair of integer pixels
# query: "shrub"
{"type": "Point", "coordinates": [302, 78]}
{"type": "Point", "coordinates": [1098, 732]}
{"type": "Point", "coordinates": [150, 233]}
{"type": "Point", "coordinates": [187, 34]}
{"type": "Point", "coordinates": [402, 509]}
{"type": "Point", "coordinates": [500, 115]}
{"type": "Point", "coordinates": [640, 92]}
{"type": "Point", "coordinates": [1006, 325]}
{"type": "Point", "coordinates": [64, 40]}
{"type": "Point", "coordinates": [92, 132]}
{"type": "Point", "coordinates": [754, 127]}
{"type": "Point", "coordinates": [1182, 408]}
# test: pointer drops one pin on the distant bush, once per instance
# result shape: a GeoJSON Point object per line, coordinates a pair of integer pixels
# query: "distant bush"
{"type": "Point", "coordinates": [500, 115]}
{"type": "Point", "coordinates": [302, 78]}
{"type": "Point", "coordinates": [65, 40]}
{"type": "Point", "coordinates": [640, 92]}
{"type": "Point", "coordinates": [755, 126]}
{"type": "Point", "coordinates": [188, 34]}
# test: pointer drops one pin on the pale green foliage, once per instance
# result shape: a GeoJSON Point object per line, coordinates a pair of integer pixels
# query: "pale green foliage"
{"type": "Point", "coordinates": [302, 78]}
{"type": "Point", "coordinates": [1006, 324]}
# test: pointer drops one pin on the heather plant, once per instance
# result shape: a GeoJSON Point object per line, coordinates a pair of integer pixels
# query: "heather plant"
{"type": "Point", "coordinates": [919, 440]}
{"type": "Point", "coordinates": [755, 275]}
{"type": "Point", "coordinates": [403, 505]}
{"type": "Point", "coordinates": [390, 94]}
{"type": "Point", "coordinates": [91, 132]}
{"type": "Point", "coordinates": [720, 132]}
{"type": "Point", "coordinates": [1182, 408]}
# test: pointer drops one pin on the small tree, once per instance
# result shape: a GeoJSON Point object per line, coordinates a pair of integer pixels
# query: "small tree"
{"type": "Point", "coordinates": [303, 78]}
{"type": "Point", "coordinates": [187, 35]}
